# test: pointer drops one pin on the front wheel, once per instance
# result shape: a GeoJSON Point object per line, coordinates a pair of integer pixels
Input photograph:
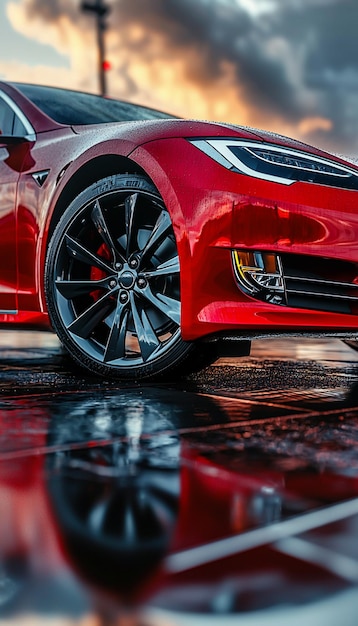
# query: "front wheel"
{"type": "Point", "coordinates": [112, 280]}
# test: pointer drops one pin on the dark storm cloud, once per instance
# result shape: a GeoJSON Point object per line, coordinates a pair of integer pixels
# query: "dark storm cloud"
{"type": "Point", "coordinates": [330, 31]}
{"type": "Point", "coordinates": [217, 32]}
{"type": "Point", "coordinates": [317, 78]}
{"type": "Point", "coordinates": [330, 61]}
{"type": "Point", "coordinates": [316, 75]}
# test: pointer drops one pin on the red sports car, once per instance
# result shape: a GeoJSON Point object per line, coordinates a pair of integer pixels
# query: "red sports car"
{"type": "Point", "coordinates": [155, 244]}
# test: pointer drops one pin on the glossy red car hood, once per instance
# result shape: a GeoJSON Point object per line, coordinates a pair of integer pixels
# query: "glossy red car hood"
{"type": "Point", "coordinates": [150, 130]}
{"type": "Point", "coordinates": [146, 131]}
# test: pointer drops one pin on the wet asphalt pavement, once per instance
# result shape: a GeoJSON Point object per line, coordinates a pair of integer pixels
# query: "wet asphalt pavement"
{"type": "Point", "coordinates": [228, 497]}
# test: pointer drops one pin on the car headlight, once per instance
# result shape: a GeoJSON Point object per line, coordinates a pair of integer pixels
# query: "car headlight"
{"type": "Point", "coordinates": [276, 163]}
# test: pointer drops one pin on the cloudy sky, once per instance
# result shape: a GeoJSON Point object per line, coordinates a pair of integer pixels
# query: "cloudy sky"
{"type": "Point", "coordinates": [286, 65]}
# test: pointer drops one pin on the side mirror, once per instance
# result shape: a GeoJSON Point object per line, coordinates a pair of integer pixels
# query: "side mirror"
{"type": "Point", "coordinates": [9, 140]}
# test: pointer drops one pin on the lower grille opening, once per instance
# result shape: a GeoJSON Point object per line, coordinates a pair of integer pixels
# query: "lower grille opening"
{"type": "Point", "coordinates": [320, 283]}
{"type": "Point", "coordinates": [298, 281]}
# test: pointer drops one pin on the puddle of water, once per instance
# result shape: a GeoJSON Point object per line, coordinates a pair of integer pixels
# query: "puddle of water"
{"type": "Point", "coordinates": [90, 525]}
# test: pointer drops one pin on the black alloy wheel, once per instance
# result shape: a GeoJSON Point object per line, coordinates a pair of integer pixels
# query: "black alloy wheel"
{"type": "Point", "coordinates": [112, 280]}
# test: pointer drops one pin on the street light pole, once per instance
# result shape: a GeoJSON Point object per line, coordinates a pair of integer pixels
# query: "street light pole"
{"type": "Point", "coordinates": [100, 9]}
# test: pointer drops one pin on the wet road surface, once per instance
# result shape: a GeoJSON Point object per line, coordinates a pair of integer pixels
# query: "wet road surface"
{"type": "Point", "coordinates": [226, 497]}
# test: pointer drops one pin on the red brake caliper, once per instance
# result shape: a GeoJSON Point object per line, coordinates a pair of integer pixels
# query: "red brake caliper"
{"type": "Point", "coordinates": [96, 273]}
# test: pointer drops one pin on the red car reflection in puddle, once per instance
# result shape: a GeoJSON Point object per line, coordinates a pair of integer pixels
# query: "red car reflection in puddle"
{"type": "Point", "coordinates": [116, 506]}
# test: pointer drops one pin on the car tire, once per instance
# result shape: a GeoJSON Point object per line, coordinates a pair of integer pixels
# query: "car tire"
{"type": "Point", "coordinates": [112, 282]}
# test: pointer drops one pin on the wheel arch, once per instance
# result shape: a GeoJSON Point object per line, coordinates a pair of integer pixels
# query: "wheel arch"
{"type": "Point", "coordinates": [89, 173]}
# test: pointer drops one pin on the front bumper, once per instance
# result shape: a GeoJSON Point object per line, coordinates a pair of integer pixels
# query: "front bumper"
{"type": "Point", "coordinates": [218, 214]}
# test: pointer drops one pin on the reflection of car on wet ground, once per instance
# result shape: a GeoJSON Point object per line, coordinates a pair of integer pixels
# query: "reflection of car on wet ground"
{"type": "Point", "coordinates": [114, 512]}
{"type": "Point", "coordinates": [156, 243]}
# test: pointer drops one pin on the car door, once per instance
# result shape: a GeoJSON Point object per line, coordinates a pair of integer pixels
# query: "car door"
{"type": "Point", "coordinates": [11, 158]}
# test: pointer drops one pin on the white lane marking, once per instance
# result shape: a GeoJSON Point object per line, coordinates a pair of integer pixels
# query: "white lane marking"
{"type": "Point", "coordinates": [343, 566]}
{"type": "Point", "coordinates": [229, 546]}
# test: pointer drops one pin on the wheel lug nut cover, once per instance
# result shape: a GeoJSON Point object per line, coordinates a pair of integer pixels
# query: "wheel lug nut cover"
{"type": "Point", "coordinates": [112, 283]}
{"type": "Point", "coordinates": [123, 296]}
{"type": "Point", "coordinates": [142, 283]}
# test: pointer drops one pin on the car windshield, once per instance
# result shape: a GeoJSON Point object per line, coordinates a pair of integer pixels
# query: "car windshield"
{"type": "Point", "coordinates": [74, 107]}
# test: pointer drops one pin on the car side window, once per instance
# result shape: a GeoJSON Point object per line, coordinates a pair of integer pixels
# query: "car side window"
{"type": "Point", "coordinates": [10, 124]}
{"type": "Point", "coordinates": [7, 116]}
